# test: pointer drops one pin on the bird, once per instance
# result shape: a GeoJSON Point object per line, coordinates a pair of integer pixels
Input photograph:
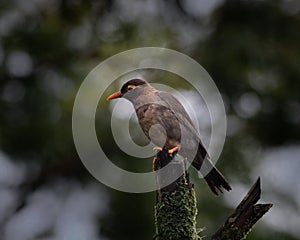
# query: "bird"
{"type": "Point", "coordinates": [167, 124]}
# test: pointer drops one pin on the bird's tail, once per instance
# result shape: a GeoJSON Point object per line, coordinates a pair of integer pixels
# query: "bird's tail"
{"type": "Point", "coordinates": [216, 181]}
{"type": "Point", "coordinates": [214, 178]}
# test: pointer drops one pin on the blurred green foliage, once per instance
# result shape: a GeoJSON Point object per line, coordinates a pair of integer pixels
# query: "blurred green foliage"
{"type": "Point", "coordinates": [250, 48]}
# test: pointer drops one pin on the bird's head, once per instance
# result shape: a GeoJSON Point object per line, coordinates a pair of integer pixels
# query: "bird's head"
{"type": "Point", "coordinates": [130, 89]}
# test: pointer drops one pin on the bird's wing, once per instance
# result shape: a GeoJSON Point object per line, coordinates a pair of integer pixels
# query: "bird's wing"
{"type": "Point", "coordinates": [177, 107]}
{"type": "Point", "coordinates": [183, 118]}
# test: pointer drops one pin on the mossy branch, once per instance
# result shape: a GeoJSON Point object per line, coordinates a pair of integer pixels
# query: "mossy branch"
{"type": "Point", "coordinates": [176, 207]}
{"type": "Point", "coordinates": [247, 213]}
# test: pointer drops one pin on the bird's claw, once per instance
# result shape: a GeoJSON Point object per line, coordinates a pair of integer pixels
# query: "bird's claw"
{"type": "Point", "coordinates": [170, 151]}
{"type": "Point", "coordinates": [159, 149]}
{"type": "Point", "coordinates": [174, 149]}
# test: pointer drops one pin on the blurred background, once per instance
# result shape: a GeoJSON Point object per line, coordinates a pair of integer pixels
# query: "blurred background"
{"type": "Point", "coordinates": [250, 48]}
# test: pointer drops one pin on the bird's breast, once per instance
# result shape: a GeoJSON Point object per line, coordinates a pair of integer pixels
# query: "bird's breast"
{"type": "Point", "coordinates": [159, 124]}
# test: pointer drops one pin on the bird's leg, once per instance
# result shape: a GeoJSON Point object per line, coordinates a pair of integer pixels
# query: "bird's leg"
{"type": "Point", "coordinates": [170, 151]}
{"type": "Point", "coordinates": [174, 149]}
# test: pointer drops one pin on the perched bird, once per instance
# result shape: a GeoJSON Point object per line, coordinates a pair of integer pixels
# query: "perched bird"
{"type": "Point", "coordinates": [166, 123]}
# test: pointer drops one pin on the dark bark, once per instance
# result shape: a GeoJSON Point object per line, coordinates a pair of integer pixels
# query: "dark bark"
{"type": "Point", "coordinates": [239, 224]}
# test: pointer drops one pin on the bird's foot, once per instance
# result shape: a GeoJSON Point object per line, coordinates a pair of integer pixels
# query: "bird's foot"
{"type": "Point", "coordinates": [173, 150]}
{"type": "Point", "coordinates": [170, 151]}
{"type": "Point", "coordinates": [159, 149]}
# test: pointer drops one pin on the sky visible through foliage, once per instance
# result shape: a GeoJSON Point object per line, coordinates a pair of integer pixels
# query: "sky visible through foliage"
{"type": "Point", "coordinates": [251, 50]}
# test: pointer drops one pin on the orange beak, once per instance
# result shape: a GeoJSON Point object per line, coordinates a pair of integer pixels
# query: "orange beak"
{"type": "Point", "coordinates": [114, 95]}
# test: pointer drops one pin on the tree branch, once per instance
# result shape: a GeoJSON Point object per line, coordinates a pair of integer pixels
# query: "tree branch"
{"type": "Point", "coordinates": [239, 224]}
{"type": "Point", "coordinates": [176, 207]}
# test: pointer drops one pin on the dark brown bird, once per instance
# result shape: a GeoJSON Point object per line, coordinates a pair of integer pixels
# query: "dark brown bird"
{"type": "Point", "coordinates": [166, 123]}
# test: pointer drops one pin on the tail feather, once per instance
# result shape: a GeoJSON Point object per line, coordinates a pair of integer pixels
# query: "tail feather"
{"type": "Point", "coordinates": [216, 181]}
{"type": "Point", "coordinates": [214, 178]}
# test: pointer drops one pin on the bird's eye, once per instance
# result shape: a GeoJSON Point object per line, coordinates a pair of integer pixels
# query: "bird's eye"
{"type": "Point", "coordinates": [131, 87]}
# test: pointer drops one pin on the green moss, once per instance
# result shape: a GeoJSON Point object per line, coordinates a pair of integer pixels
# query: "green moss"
{"type": "Point", "coordinates": [175, 213]}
